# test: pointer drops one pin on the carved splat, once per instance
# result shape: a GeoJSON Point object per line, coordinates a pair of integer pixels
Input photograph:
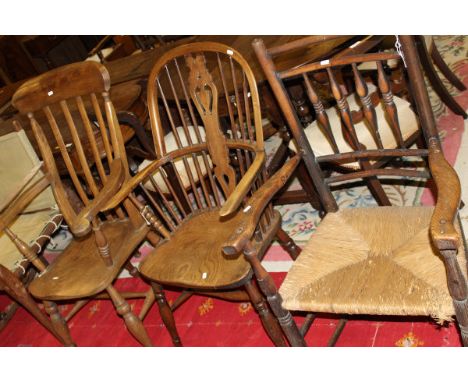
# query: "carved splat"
{"type": "Point", "coordinates": [204, 95]}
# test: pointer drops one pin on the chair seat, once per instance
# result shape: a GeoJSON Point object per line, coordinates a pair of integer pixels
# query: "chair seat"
{"type": "Point", "coordinates": [376, 261]}
{"type": "Point", "coordinates": [193, 256]}
{"type": "Point", "coordinates": [80, 271]}
{"type": "Point", "coordinates": [321, 146]}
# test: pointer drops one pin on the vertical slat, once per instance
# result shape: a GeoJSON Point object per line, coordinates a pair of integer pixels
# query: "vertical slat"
{"type": "Point", "coordinates": [369, 110]}
{"type": "Point", "coordinates": [197, 132]}
{"type": "Point", "coordinates": [174, 194]}
{"type": "Point", "coordinates": [118, 144]}
{"type": "Point", "coordinates": [79, 148]}
{"type": "Point", "coordinates": [188, 169]}
{"type": "Point", "coordinates": [387, 96]}
{"type": "Point", "coordinates": [65, 155]}
{"type": "Point", "coordinates": [349, 131]}
{"type": "Point", "coordinates": [102, 127]}
{"type": "Point", "coordinates": [234, 129]}
{"type": "Point", "coordinates": [91, 138]}
{"type": "Point", "coordinates": [166, 203]}
{"type": "Point", "coordinates": [322, 116]}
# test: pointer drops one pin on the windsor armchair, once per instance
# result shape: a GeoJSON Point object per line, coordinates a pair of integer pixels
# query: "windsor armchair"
{"type": "Point", "coordinates": [407, 261]}
{"type": "Point", "coordinates": [27, 210]}
{"type": "Point", "coordinates": [363, 120]}
{"type": "Point", "coordinates": [104, 242]}
{"type": "Point", "coordinates": [219, 167]}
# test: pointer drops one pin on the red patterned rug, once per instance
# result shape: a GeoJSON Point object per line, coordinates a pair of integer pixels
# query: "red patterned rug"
{"type": "Point", "coordinates": [203, 321]}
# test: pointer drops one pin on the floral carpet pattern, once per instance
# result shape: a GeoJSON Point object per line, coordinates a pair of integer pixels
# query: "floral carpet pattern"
{"type": "Point", "coordinates": [206, 321]}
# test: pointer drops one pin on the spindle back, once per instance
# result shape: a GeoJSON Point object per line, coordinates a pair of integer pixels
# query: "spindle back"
{"type": "Point", "coordinates": [361, 149]}
{"type": "Point", "coordinates": [82, 136]}
{"type": "Point", "coordinates": [202, 158]}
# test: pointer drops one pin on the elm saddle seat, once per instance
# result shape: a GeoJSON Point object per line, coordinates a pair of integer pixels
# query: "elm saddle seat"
{"type": "Point", "coordinates": [200, 262]}
{"type": "Point", "coordinates": [377, 260]}
{"type": "Point", "coordinates": [79, 271]}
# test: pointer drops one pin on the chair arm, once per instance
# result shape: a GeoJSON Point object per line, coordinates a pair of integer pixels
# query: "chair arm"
{"type": "Point", "coordinates": [442, 229]}
{"type": "Point", "coordinates": [22, 201]}
{"type": "Point", "coordinates": [81, 225]}
{"type": "Point", "coordinates": [257, 203]}
{"type": "Point", "coordinates": [238, 195]}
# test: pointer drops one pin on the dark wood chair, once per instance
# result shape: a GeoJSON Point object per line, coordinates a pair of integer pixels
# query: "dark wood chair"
{"type": "Point", "coordinates": [369, 115]}
{"type": "Point", "coordinates": [405, 261]}
{"type": "Point", "coordinates": [210, 199]}
{"type": "Point", "coordinates": [98, 168]}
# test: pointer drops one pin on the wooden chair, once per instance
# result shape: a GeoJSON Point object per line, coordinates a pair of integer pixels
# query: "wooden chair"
{"type": "Point", "coordinates": [28, 211]}
{"type": "Point", "coordinates": [406, 261]}
{"type": "Point", "coordinates": [223, 199]}
{"type": "Point", "coordinates": [104, 242]}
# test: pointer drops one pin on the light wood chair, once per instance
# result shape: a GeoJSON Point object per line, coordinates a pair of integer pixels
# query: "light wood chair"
{"type": "Point", "coordinates": [406, 261]}
{"type": "Point", "coordinates": [104, 242]}
{"type": "Point", "coordinates": [28, 214]}
{"type": "Point", "coordinates": [223, 207]}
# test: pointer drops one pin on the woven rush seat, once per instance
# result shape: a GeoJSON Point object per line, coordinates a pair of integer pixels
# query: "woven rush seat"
{"type": "Point", "coordinates": [372, 261]}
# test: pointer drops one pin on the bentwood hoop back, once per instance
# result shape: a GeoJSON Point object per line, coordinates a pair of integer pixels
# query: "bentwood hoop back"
{"type": "Point", "coordinates": [208, 192]}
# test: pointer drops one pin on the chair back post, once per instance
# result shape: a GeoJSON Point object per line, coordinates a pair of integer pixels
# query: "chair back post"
{"type": "Point", "coordinates": [418, 85]}
{"type": "Point", "coordinates": [329, 202]}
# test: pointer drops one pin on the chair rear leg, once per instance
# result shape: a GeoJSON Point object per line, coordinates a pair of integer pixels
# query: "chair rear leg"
{"type": "Point", "coordinates": [269, 322]}
{"type": "Point", "coordinates": [458, 290]}
{"type": "Point", "coordinates": [134, 324]}
{"type": "Point", "coordinates": [288, 244]}
{"type": "Point", "coordinates": [446, 71]}
{"type": "Point", "coordinates": [58, 322]}
{"type": "Point", "coordinates": [17, 291]}
{"type": "Point", "coordinates": [166, 313]}
{"type": "Point", "coordinates": [268, 287]}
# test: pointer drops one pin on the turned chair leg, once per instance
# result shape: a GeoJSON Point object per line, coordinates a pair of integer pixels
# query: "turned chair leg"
{"type": "Point", "coordinates": [288, 244]}
{"type": "Point", "coordinates": [58, 322]}
{"type": "Point", "coordinates": [134, 324]}
{"type": "Point", "coordinates": [268, 288]}
{"type": "Point", "coordinates": [458, 291]}
{"type": "Point", "coordinates": [17, 291]}
{"type": "Point", "coordinates": [269, 322]}
{"type": "Point", "coordinates": [166, 313]}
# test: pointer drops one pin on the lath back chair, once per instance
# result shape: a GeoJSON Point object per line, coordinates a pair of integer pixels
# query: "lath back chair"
{"type": "Point", "coordinates": [96, 163]}
{"type": "Point", "coordinates": [371, 117]}
{"type": "Point", "coordinates": [223, 198]}
{"type": "Point", "coordinates": [407, 261]}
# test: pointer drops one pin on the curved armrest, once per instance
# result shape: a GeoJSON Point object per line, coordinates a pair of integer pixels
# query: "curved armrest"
{"type": "Point", "coordinates": [81, 225]}
{"type": "Point", "coordinates": [22, 201]}
{"type": "Point", "coordinates": [257, 203]}
{"type": "Point", "coordinates": [442, 229]}
{"type": "Point", "coordinates": [238, 195]}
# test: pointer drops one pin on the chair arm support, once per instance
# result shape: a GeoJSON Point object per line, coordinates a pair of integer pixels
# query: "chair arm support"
{"type": "Point", "coordinates": [256, 206]}
{"type": "Point", "coordinates": [81, 225]}
{"type": "Point", "coordinates": [442, 229]}
{"type": "Point", "coordinates": [238, 195]}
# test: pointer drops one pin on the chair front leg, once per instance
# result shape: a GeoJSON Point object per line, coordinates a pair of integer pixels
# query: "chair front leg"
{"type": "Point", "coordinates": [269, 322]}
{"type": "Point", "coordinates": [458, 290]}
{"type": "Point", "coordinates": [268, 287]}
